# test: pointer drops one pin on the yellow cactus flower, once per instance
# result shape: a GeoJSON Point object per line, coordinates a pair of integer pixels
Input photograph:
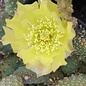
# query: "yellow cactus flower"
{"type": "Point", "coordinates": [39, 36]}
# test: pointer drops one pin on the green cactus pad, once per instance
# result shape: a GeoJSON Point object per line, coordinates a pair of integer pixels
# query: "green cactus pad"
{"type": "Point", "coordinates": [80, 43]}
{"type": "Point", "coordinates": [12, 80]}
{"type": "Point", "coordinates": [9, 64]}
{"type": "Point", "coordinates": [74, 80]}
{"type": "Point", "coordinates": [25, 74]}
{"type": "Point", "coordinates": [72, 64]}
{"type": "Point", "coordinates": [65, 8]}
{"type": "Point", "coordinates": [30, 77]}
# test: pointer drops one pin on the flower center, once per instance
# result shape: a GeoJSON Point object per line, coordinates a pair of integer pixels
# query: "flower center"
{"type": "Point", "coordinates": [45, 37]}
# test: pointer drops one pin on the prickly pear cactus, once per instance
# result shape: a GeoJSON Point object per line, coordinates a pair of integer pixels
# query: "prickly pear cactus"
{"type": "Point", "coordinates": [80, 42]}
{"type": "Point", "coordinates": [12, 80]}
{"type": "Point", "coordinates": [8, 64]}
{"type": "Point", "coordinates": [30, 77]}
{"type": "Point", "coordinates": [74, 80]}
{"type": "Point", "coordinates": [12, 69]}
{"type": "Point", "coordinates": [72, 64]}
{"type": "Point", "coordinates": [2, 21]}
{"type": "Point", "coordinates": [82, 69]}
{"type": "Point", "coordinates": [10, 7]}
{"type": "Point", "coordinates": [25, 74]}
{"type": "Point", "coordinates": [65, 8]}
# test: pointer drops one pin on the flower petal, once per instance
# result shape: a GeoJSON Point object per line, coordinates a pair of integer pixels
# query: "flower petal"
{"type": "Point", "coordinates": [68, 36]}
{"type": "Point", "coordinates": [9, 36]}
{"type": "Point", "coordinates": [17, 44]}
{"type": "Point", "coordinates": [39, 68]}
{"type": "Point", "coordinates": [16, 26]}
{"type": "Point", "coordinates": [59, 60]}
{"type": "Point", "coordinates": [28, 55]}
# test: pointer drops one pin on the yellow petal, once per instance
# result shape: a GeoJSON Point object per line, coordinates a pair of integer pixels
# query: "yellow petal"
{"type": "Point", "coordinates": [28, 54]}
{"type": "Point", "coordinates": [9, 36]}
{"type": "Point", "coordinates": [16, 26]}
{"type": "Point", "coordinates": [39, 68]}
{"type": "Point", "coordinates": [16, 43]}
{"type": "Point", "coordinates": [59, 60]}
{"type": "Point", "coordinates": [68, 36]}
{"type": "Point", "coordinates": [19, 45]}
